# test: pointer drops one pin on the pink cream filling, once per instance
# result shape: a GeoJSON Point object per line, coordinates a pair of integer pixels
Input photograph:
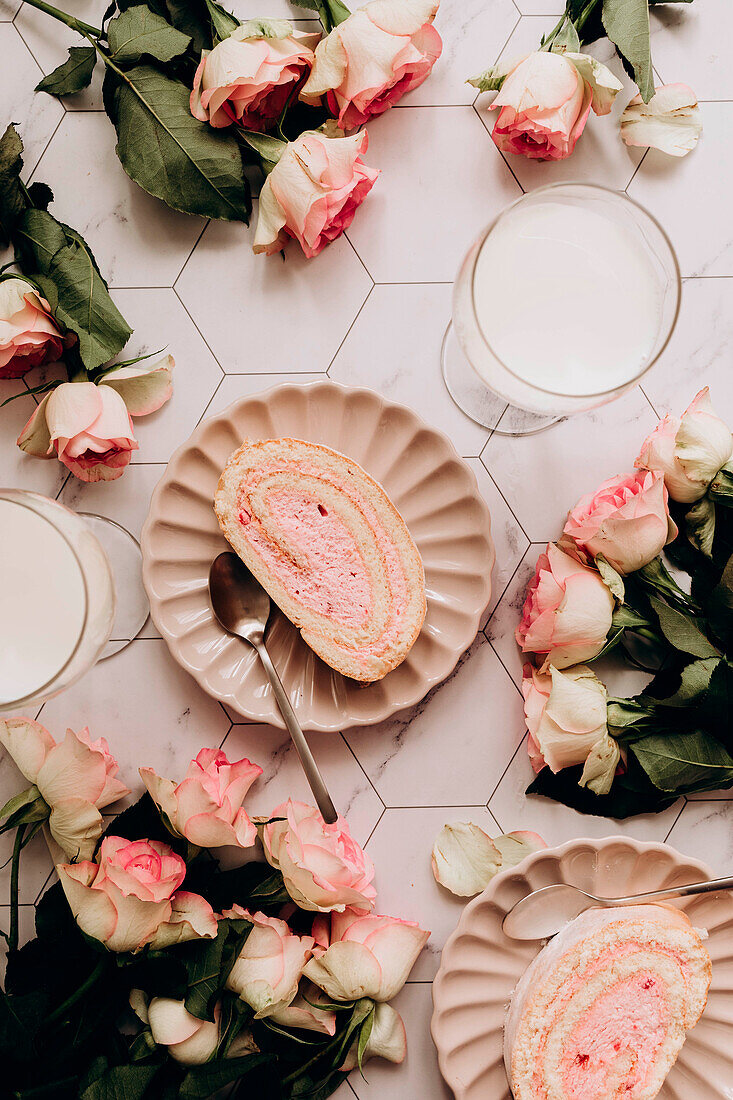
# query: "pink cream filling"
{"type": "Point", "coordinates": [570, 988]}
{"type": "Point", "coordinates": [337, 582]}
{"type": "Point", "coordinates": [611, 1034]}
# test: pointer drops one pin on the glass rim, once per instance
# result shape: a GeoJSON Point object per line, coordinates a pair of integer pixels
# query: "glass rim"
{"type": "Point", "coordinates": [568, 185]}
{"type": "Point", "coordinates": [15, 496]}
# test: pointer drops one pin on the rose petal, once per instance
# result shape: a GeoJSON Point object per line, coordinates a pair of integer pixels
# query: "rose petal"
{"type": "Point", "coordinates": [346, 972]}
{"type": "Point", "coordinates": [143, 388]}
{"type": "Point", "coordinates": [76, 825]}
{"type": "Point", "coordinates": [603, 84]}
{"type": "Point", "coordinates": [514, 847]}
{"type": "Point", "coordinates": [387, 1039]}
{"type": "Point", "coordinates": [28, 743]}
{"type": "Point", "coordinates": [600, 766]}
{"type": "Point", "coordinates": [35, 437]}
{"type": "Point", "coordinates": [465, 859]}
{"type": "Point", "coordinates": [671, 121]}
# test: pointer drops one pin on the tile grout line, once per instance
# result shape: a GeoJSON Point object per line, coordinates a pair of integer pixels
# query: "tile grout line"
{"type": "Point", "coordinates": [346, 334]}
{"type": "Point", "coordinates": [362, 768]}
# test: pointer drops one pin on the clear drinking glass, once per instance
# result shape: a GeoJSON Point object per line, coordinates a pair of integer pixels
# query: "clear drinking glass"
{"type": "Point", "coordinates": [561, 304]}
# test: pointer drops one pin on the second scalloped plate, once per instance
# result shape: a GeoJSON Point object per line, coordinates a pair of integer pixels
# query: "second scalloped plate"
{"type": "Point", "coordinates": [481, 966]}
{"type": "Point", "coordinates": [435, 491]}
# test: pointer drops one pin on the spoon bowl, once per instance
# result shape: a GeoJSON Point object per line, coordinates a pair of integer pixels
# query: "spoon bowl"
{"type": "Point", "coordinates": [242, 606]}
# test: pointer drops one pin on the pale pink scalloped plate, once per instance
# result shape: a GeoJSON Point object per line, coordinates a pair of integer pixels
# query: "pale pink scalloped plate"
{"type": "Point", "coordinates": [481, 966]}
{"type": "Point", "coordinates": [435, 491]}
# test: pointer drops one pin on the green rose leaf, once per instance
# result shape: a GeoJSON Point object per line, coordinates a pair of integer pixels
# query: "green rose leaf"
{"type": "Point", "coordinates": [683, 762]}
{"type": "Point", "coordinates": [682, 631]}
{"type": "Point", "coordinates": [208, 963]}
{"type": "Point", "coordinates": [73, 75]}
{"type": "Point", "coordinates": [169, 153]}
{"type": "Point", "coordinates": [203, 1081]}
{"type": "Point", "coordinates": [721, 488]}
{"type": "Point", "coordinates": [330, 12]}
{"type": "Point", "coordinates": [700, 525]}
{"type": "Point", "coordinates": [719, 606]}
{"type": "Point", "coordinates": [121, 1083]}
{"type": "Point", "coordinates": [12, 200]}
{"type": "Point", "coordinates": [611, 578]}
{"type": "Point", "coordinates": [490, 80]}
{"type": "Point", "coordinates": [566, 40]}
{"type": "Point", "coordinates": [222, 21]}
{"type": "Point", "coordinates": [192, 18]}
{"type": "Point", "coordinates": [139, 32]}
{"type": "Point", "coordinates": [627, 25]}
{"type": "Point", "coordinates": [62, 265]}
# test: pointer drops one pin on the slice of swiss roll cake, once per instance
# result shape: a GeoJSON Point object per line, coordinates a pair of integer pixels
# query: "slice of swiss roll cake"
{"type": "Point", "coordinates": [603, 1011]}
{"type": "Point", "coordinates": [328, 545]}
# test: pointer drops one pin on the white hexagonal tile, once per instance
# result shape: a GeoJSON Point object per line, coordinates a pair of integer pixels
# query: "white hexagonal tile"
{"type": "Point", "coordinates": [555, 823]}
{"type": "Point", "coordinates": [543, 475]}
{"type": "Point", "coordinates": [262, 313]}
{"type": "Point", "coordinates": [136, 239]}
{"type": "Point", "coordinates": [37, 115]}
{"type": "Point", "coordinates": [418, 1078]}
{"type": "Point", "coordinates": [550, 9]}
{"type": "Point", "coordinates": [600, 155]}
{"type": "Point", "coordinates": [510, 541]}
{"type": "Point", "coordinates": [442, 181]}
{"type": "Point", "coordinates": [160, 321]}
{"type": "Point", "coordinates": [704, 831]}
{"type": "Point", "coordinates": [699, 352]}
{"type": "Point", "coordinates": [401, 848]}
{"type": "Point", "coordinates": [49, 41]}
{"type": "Point", "coordinates": [418, 758]}
{"type": "Point", "coordinates": [17, 469]}
{"type": "Point", "coordinates": [283, 777]}
{"type": "Point", "coordinates": [151, 712]}
{"type": "Point", "coordinates": [699, 229]}
{"type": "Point", "coordinates": [8, 10]}
{"type": "Point", "coordinates": [690, 44]}
{"type": "Point", "coordinates": [394, 347]}
{"type": "Point", "coordinates": [473, 34]}
{"type": "Point", "coordinates": [233, 387]}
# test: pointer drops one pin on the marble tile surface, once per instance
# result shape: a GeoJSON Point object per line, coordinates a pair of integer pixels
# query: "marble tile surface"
{"type": "Point", "coordinates": [371, 311]}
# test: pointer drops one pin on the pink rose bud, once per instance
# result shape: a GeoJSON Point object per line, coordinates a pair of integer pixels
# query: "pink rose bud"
{"type": "Point", "coordinates": [565, 714]}
{"type": "Point", "coordinates": [545, 100]}
{"type": "Point", "coordinates": [129, 897]}
{"type": "Point", "coordinates": [567, 612]}
{"type": "Point", "coordinates": [206, 808]}
{"type": "Point", "coordinates": [87, 426]}
{"type": "Point", "coordinates": [322, 865]}
{"type": "Point", "coordinates": [626, 521]}
{"type": "Point", "coordinates": [28, 334]}
{"type": "Point", "coordinates": [313, 192]}
{"type": "Point", "coordinates": [689, 450]}
{"type": "Point", "coordinates": [366, 955]}
{"type": "Point", "coordinates": [377, 55]}
{"type": "Point", "coordinates": [270, 964]}
{"type": "Point", "coordinates": [249, 77]}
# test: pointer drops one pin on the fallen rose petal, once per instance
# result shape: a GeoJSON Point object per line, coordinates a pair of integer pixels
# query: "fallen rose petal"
{"type": "Point", "coordinates": [514, 847]}
{"type": "Point", "coordinates": [671, 121]}
{"type": "Point", "coordinates": [465, 859]}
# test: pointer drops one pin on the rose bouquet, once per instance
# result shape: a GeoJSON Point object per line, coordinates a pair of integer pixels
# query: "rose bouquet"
{"type": "Point", "coordinates": [156, 973]}
{"type": "Point", "coordinates": [644, 567]}
{"type": "Point", "coordinates": [544, 99]}
{"type": "Point", "coordinates": [195, 96]}
{"type": "Point", "coordinates": [59, 308]}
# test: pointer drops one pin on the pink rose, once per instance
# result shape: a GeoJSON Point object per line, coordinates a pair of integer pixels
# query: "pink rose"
{"type": "Point", "coordinates": [322, 865]}
{"type": "Point", "coordinates": [76, 777]}
{"type": "Point", "coordinates": [87, 426]}
{"type": "Point", "coordinates": [689, 450]}
{"type": "Point", "coordinates": [130, 897]}
{"type": "Point", "coordinates": [206, 808]}
{"type": "Point", "coordinates": [377, 55]}
{"type": "Point", "coordinates": [545, 101]}
{"type": "Point", "coordinates": [270, 964]}
{"type": "Point", "coordinates": [567, 722]}
{"type": "Point", "coordinates": [567, 612]}
{"type": "Point", "coordinates": [248, 77]}
{"type": "Point", "coordinates": [364, 955]}
{"type": "Point", "coordinates": [626, 521]}
{"type": "Point", "coordinates": [313, 192]}
{"type": "Point", "coordinates": [29, 335]}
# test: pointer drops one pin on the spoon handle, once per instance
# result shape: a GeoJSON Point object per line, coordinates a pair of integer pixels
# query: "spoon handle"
{"type": "Point", "coordinates": [312, 774]}
{"type": "Point", "coordinates": [679, 891]}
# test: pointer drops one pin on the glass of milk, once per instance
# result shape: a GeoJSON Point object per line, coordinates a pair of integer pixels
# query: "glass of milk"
{"type": "Point", "coordinates": [561, 304]}
{"type": "Point", "coordinates": [57, 598]}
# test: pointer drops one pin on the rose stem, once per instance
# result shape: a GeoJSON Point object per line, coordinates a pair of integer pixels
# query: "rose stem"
{"type": "Point", "coordinates": [14, 872]}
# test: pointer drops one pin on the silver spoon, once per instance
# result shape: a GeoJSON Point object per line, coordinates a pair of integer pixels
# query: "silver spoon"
{"type": "Point", "coordinates": [242, 607]}
{"type": "Point", "coordinates": [544, 912]}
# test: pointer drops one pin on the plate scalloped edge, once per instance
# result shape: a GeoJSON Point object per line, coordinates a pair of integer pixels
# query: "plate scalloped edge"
{"type": "Point", "coordinates": [471, 1060]}
{"type": "Point", "coordinates": [393, 694]}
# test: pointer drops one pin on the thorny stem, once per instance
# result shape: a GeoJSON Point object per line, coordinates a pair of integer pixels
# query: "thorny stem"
{"type": "Point", "coordinates": [78, 25]}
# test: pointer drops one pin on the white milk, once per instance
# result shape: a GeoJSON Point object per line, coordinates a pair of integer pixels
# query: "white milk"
{"type": "Point", "coordinates": [42, 601]}
{"type": "Point", "coordinates": [567, 298]}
